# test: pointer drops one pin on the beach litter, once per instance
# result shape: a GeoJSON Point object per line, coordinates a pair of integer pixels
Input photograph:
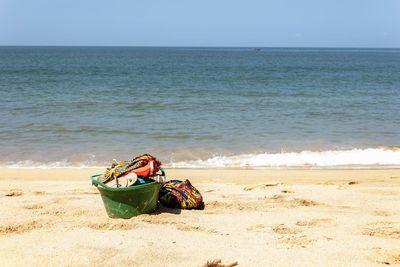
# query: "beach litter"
{"type": "Point", "coordinates": [133, 187]}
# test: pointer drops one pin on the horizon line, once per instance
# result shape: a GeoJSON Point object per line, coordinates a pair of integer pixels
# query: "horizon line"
{"type": "Point", "coordinates": [199, 46]}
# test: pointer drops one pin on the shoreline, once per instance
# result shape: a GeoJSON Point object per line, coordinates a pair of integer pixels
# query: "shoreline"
{"type": "Point", "coordinates": [381, 157]}
{"type": "Point", "coordinates": [203, 174]}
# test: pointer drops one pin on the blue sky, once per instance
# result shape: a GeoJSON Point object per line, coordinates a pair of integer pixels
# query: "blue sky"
{"type": "Point", "coordinates": [280, 23]}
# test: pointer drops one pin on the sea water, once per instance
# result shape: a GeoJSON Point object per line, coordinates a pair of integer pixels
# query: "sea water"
{"type": "Point", "coordinates": [200, 107]}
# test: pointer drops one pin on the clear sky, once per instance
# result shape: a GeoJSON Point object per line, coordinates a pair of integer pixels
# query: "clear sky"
{"type": "Point", "coordinates": [279, 23]}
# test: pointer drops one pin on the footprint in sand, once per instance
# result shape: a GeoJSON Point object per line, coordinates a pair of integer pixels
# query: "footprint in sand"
{"type": "Point", "coordinates": [261, 204]}
{"type": "Point", "coordinates": [383, 229]}
{"type": "Point", "coordinates": [314, 222]}
{"type": "Point", "coordinates": [151, 219]}
{"type": "Point", "coordinates": [297, 241]}
{"type": "Point", "coordinates": [53, 212]}
{"type": "Point", "coordinates": [381, 213]}
{"type": "Point", "coordinates": [112, 225]}
{"type": "Point", "coordinates": [291, 202]}
{"type": "Point", "coordinates": [283, 230]}
{"type": "Point", "coordinates": [260, 186]}
{"type": "Point", "coordinates": [296, 202]}
{"type": "Point", "coordinates": [218, 206]}
{"type": "Point", "coordinates": [32, 206]}
{"type": "Point", "coordinates": [195, 228]}
{"type": "Point", "coordinates": [16, 228]}
{"type": "Point", "coordinates": [181, 226]}
{"type": "Point", "coordinates": [387, 257]}
{"type": "Point", "coordinates": [14, 193]}
{"type": "Point", "coordinates": [293, 240]}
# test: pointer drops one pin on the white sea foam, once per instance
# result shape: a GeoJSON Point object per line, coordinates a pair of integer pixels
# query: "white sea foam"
{"type": "Point", "coordinates": [46, 165]}
{"type": "Point", "coordinates": [354, 158]}
{"type": "Point", "coordinates": [330, 158]}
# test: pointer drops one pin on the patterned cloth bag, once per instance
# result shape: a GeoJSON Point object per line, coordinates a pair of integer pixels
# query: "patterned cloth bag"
{"type": "Point", "coordinates": [144, 166]}
{"type": "Point", "coordinates": [180, 194]}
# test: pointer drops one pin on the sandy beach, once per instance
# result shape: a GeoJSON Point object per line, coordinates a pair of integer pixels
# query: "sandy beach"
{"type": "Point", "coordinates": [55, 217]}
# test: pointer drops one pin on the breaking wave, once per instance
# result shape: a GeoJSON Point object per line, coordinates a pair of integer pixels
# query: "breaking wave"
{"type": "Point", "coordinates": [47, 165]}
{"type": "Point", "coordinates": [384, 157]}
{"type": "Point", "coordinates": [331, 158]}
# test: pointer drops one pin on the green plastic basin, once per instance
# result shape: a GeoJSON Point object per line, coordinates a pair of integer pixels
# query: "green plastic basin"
{"type": "Point", "coordinates": [128, 202]}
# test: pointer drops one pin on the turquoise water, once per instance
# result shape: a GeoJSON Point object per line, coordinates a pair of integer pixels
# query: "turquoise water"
{"type": "Point", "coordinates": [87, 105]}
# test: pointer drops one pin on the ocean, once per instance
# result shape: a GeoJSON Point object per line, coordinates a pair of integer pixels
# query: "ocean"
{"type": "Point", "coordinates": [200, 107]}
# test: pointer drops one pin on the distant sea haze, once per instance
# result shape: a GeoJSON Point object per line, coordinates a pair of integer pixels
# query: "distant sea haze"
{"type": "Point", "coordinates": [200, 107]}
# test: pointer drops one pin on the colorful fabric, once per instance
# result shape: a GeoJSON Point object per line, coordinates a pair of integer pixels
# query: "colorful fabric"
{"type": "Point", "coordinates": [180, 194]}
{"type": "Point", "coordinates": [118, 169]}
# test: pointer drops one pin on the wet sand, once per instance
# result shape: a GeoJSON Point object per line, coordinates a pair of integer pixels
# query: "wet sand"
{"type": "Point", "coordinates": [255, 217]}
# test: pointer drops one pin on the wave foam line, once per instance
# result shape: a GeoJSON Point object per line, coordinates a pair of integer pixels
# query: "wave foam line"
{"type": "Point", "coordinates": [47, 165]}
{"type": "Point", "coordinates": [330, 158]}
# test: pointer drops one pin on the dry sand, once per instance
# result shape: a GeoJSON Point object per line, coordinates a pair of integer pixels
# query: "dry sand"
{"type": "Point", "coordinates": [54, 217]}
